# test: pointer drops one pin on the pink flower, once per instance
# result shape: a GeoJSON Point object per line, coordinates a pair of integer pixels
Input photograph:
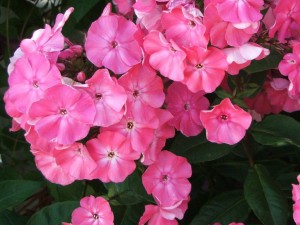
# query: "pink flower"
{"type": "Point", "coordinates": [93, 211]}
{"type": "Point", "coordinates": [184, 28]}
{"type": "Point", "coordinates": [144, 88]}
{"type": "Point", "coordinates": [296, 212]}
{"type": "Point", "coordinates": [63, 115]}
{"type": "Point", "coordinates": [233, 223]}
{"type": "Point", "coordinates": [159, 214]}
{"type": "Point", "coordinates": [113, 155]}
{"type": "Point", "coordinates": [166, 179]}
{"type": "Point", "coordinates": [109, 98]}
{"type": "Point", "coordinates": [111, 43]}
{"type": "Point", "coordinates": [225, 123]}
{"type": "Point", "coordinates": [205, 69]}
{"type": "Point", "coordinates": [240, 11]}
{"type": "Point", "coordinates": [75, 160]}
{"type": "Point", "coordinates": [290, 62]}
{"type": "Point", "coordinates": [165, 56]}
{"type": "Point", "coordinates": [185, 106]}
{"type": "Point", "coordinates": [32, 76]}
{"type": "Point", "coordinates": [296, 199]}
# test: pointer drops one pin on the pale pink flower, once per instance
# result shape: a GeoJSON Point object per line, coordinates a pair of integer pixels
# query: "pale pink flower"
{"type": "Point", "coordinates": [241, 57]}
{"type": "Point", "coordinates": [240, 11]}
{"type": "Point", "coordinates": [185, 106]}
{"type": "Point", "coordinates": [63, 115]}
{"type": "Point", "coordinates": [184, 28]}
{"type": "Point", "coordinates": [167, 178]}
{"type": "Point", "coordinates": [113, 155]}
{"type": "Point", "coordinates": [75, 160]}
{"type": "Point", "coordinates": [144, 88]}
{"type": "Point", "coordinates": [165, 56]}
{"type": "Point", "coordinates": [205, 69]}
{"type": "Point", "coordinates": [32, 76]}
{"type": "Point", "coordinates": [109, 98]}
{"type": "Point", "coordinates": [137, 129]}
{"type": "Point", "coordinates": [225, 123]}
{"type": "Point", "coordinates": [158, 214]}
{"type": "Point", "coordinates": [93, 211]}
{"type": "Point", "coordinates": [111, 43]}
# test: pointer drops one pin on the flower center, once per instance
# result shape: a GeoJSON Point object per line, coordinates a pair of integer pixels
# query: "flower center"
{"type": "Point", "coordinates": [199, 66]}
{"type": "Point", "coordinates": [135, 93]}
{"type": "Point", "coordinates": [98, 96]}
{"type": "Point", "coordinates": [173, 49]}
{"type": "Point", "coordinates": [129, 125]}
{"type": "Point", "coordinates": [114, 44]}
{"type": "Point", "coordinates": [63, 112]}
{"type": "Point", "coordinates": [224, 117]}
{"type": "Point", "coordinates": [186, 106]}
{"type": "Point", "coordinates": [191, 23]}
{"type": "Point", "coordinates": [95, 216]}
{"type": "Point", "coordinates": [165, 178]}
{"type": "Point", "coordinates": [111, 154]}
{"type": "Point", "coordinates": [35, 84]}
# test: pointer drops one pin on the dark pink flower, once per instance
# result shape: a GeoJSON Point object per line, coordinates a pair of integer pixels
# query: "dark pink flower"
{"type": "Point", "coordinates": [225, 123]}
{"type": "Point", "coordinates": [93, 211]}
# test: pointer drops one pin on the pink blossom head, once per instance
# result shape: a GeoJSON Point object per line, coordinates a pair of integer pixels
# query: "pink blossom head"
{"type": "Point", "coordinates": [225, 123]}
{"type": "Point", "coordinates": [167, 179]}
{"type": "Point", "coordinates": [111, 43]}
{"type": "Point", "coordinates": [296, 212]}
{"type": "Point", "coordinates": [93, 211]}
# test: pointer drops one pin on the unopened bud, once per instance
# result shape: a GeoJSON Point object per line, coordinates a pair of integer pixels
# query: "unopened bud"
{"type": "Point", "coordinates": [81, 76]}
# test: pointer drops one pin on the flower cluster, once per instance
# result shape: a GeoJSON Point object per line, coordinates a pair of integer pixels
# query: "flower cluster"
{"type": "Point", "coordinates": [92, 111]}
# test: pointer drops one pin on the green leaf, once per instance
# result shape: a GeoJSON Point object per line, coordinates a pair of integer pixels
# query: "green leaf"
{"type": "Point", "coordinates": [270, 62]}
{"type": "Point", "coordinates": [198, 149]}
{"type": "Point", "coordinates": [277, 130]}
{"type": "Point", "coordinates": [54, 214]}
{"type": "Point", "coordinates": [224, 208]}
{"type": "Point", "coordinates": [13, 192]}
{"type": "Point", "coordinates": [265, 197]}
{"type": "Point", "coordinates": [81, 8]}
{"type": "Point", "coordinates": [129, 192]}
{"type": "Point", "coordinates": [11, 218]}
{"type": "Point", "coordinates": [132, 214]}
{"type": "Point", "coordinates": [64, 193]}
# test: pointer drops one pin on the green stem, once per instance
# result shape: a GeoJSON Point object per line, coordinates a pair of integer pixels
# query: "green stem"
{"type": "Point", "coordinates": [247, 150]}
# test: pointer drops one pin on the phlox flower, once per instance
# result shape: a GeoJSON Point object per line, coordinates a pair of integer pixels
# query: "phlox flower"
{"type": "Point", "coordinates": [163, 132]}
{"type": "Point", "coordinates": [75, 160]}
{"type": "Point", "coordinates": [111, 42]}
{"type": "Point", "coordinates": [185, 106]}
{"type": "Point", "coordinates": [138, 130]}
{"type": "Point", "coordinates": [124, 7]}
{"type": "Point", "coordinates": [290, 62]}
{"type": "Point", "coordinates": [225, 123]}
{"type": "Point", "coordinates": [184, 28]}
{"type": "Point", "coordinates": [158, 214]}
{"type": "Point", "coordinates": [241, 57]}
{"type": "Point", "coordinates": [296, 212]}
{"type": "Point", "coordinates": [167, 179]}
{"type": "Point", "coordinates": [113, 155]}
{"type": "Point", "coordinates": [144, 88]}
{"type": "Point", "coordinates": [63, 115]}
{"type": "Point", "coordinates": [223, 33]}
{"type": "Point", "coordinates": [93, 211]}
{"type": "Point", "coordinates": [240, 11]}
{"type": "Point", "coordinates": [109, 98]}
{"type": "Point", "coordinates": [205, 69]}
{"type": "Point", "coordinates": [296, 199]}
{"type": "Point", "coordinates": [32, 76]}
{"type": "Point", "coordinates": [165, 56]}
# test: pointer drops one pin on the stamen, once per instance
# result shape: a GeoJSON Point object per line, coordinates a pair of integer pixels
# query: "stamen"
{"type": "Point", "coordinates": [63, 112]}
{"type": "Point", "coordinates": [130, 125]}
{"type": "Point", "coordinates": [135, 93]}
{"type": "Point", "coordinates": [224, 117]}
{"type": "Point", "coordinates": [95, 216]}
{"type": "Point", "coordinates": [98, 96]}
{"type": "Point", "coordinates": [199, 66]}
{"type": "Point", "coordinates": [114, 44]}
{"type": "Point", "coordinates": [111, 154]}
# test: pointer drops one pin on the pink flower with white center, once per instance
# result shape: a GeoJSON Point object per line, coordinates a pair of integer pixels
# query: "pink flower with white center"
{"type": "Point", "coordinates": [32, 76]}
{"type": "Point", "coordinates": [75, 160]}
{"type": "Point", "coordinates": [49, 41]}
{"type": "Point", "coordinates": [167, 179]}
{"type": "Point", "coordinates": [109, 98]}
{"type": "Point", "coordinates": [225, 123]}
{"type": "Point", "coordinates": [138, 129]}
{"type": "Point", "coordinates": [46, 162]}
{"type": "Point", "coordinates": [158, 214]}
{"type": "Point", "coordinates": [144, 88]}
{"type": "Point", "coordinates": [205, 69]}
{"type": "Point", "coordinates": [165, 56]}
{"type": "Point", "coordinates": [111, 43]}
{"type": "Point", "coordinates": [93, 211]}
{"type": "Point", "coordinates": [184, 28]}
{"type": "Point", "coordinates": [224, 33]}
{"type": "Point", "coordinates": [113, 155]}
{"type": "Point", "coordinates": [163, 132]}
{"type": "Point", "coordinates": [63, 115]}
{"type": "Point", "coordinates": [241, 57]}
{"type": "Point", "coordinates": [240, 11]}
{"type": "Point", "coordinates": [185, 106]}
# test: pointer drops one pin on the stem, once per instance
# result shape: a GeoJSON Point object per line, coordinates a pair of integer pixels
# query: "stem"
{"type": "Point", "coordinates": [247, 150]}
